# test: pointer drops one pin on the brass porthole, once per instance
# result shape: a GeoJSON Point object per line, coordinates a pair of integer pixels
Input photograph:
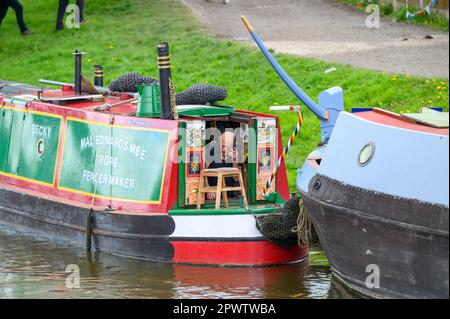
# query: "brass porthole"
{"type": "Point", "coordinates": [366, 154]}
{"type": "Point", "coordinates": [40, 147]}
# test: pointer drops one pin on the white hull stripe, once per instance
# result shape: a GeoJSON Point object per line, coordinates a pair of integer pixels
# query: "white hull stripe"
{"type": "Point", "coordinates": [216, 226]}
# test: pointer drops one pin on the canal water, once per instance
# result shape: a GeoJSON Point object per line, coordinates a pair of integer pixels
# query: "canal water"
{"type": "Point", "coordinates": [33, 267]}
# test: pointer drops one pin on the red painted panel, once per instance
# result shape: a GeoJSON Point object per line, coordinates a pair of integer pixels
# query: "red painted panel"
{"type": "Point", "coordinates": [235, 253]}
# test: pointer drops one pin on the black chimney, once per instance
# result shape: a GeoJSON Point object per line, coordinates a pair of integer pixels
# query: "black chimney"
{"type": "Point", "coordinates": [98, 75]}
{"type": "Point", "coordinates": [164, 80]}
{"type": "Point", "coordinates": [77, 55]}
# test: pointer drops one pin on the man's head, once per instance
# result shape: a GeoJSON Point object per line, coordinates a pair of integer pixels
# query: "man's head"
{"type": "Point", "coordinates": [228, 139]}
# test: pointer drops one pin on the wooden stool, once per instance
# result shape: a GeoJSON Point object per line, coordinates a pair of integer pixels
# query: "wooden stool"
{"type": "Point", "coordinates": [221, 189]}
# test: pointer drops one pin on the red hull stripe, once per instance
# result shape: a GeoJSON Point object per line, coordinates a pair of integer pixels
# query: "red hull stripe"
{"type": "Point", "coordinates": [235, 253]}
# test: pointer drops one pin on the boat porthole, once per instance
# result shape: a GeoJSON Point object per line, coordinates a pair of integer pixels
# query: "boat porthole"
{"type": "Point", "coordinates": [366, 154]}
{"type": "Point", "coordinates": [40, 147]}
{"type": "Point", "coordinates": [317, 184]}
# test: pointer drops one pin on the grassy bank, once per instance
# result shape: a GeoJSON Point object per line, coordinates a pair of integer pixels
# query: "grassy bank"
{"type": "Point", "coordinates": [435, 22]}
{"type": "Point", "coordinates": [123, 34]}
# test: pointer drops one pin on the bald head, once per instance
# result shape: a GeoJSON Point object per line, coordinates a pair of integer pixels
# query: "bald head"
{"type": "Point", "coordinates": [228, 139]}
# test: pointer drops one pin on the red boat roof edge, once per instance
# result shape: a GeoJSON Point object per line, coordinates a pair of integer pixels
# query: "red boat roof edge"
{"type": "Point", "coordinates": [392, 119]}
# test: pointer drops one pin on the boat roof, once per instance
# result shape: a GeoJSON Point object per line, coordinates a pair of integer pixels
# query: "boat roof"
{"type": "Point", "coordinates": [407, 121]}
{"type": "Point", "coordinates": [23, 94]}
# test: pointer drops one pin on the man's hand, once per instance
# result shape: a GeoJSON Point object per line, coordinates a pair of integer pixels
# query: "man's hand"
{"type": "Point", "coordinates": [211, 196]}
{"type": "Point", "coordinates": [233, 153]}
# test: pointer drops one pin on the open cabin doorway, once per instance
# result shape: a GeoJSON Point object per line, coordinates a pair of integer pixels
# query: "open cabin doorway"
{"type": "Point", "coordinates": [255, 139]}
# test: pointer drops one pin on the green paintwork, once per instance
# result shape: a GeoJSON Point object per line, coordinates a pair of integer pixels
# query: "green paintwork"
{"type": "Point", "coordinates": [17, 101]}
{"type": "Point", "coordinates": [137, 161]}
{"type": "Point", "coordinates": [182, 168]}
{"type": "Point", "coordinates": [274, 197]}
{"type": "Point", "coordinates": [20, 133]}
{"type": "Point", "coordinates": [253, 210]}
{"type": "Point", "coordinates": [252, 167]}
{"type": "Point", "coordinates": [149, 104]}
{"type": "Point", "coordinates": [5, 135]}
{"type": "Point", "coordinates": [203, 110]}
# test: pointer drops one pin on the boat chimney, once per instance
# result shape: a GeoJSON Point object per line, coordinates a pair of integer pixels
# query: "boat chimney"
{"type": "Point", "coordinates": [165, 78]}
{"type": "Point", "coordinates": [98, 75]}
{"type": "Point", "coordinates": [78, 56]}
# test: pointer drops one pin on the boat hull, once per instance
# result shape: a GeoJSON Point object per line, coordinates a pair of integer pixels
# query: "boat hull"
{"type": "Point", "coordinates": [155, 237]}
{"type": "Point", "coordinates": [381, 245]}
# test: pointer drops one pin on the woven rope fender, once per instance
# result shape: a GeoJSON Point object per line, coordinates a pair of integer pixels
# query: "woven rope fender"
{"type": "Point", "coordinates": [201, 94]}
{"type": "Point", "coordinates": [197, 94]}
{"type": "Point", "coordinates": [288, 226]}
{"type": "Point", "coordinates": [278, 226]}
{"type": "Point", "coordinates": [129, 82]}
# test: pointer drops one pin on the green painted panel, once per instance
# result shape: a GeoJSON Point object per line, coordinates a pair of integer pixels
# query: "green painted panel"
{"type": "Point", "coordinates": [252, 167]}
{"type": "Point", "coordinates": [253, 210]}
{"type": "Point", "coordinates": [12, 162]}
{"type": "Point", "coordinates": [39, 147]}
{"type": "Point", "coordinates": [114, 162]}
{"type": "Point", "coordinates": [203, 110]}
{"type": "Point", "coordinates": [21, 133]}
{"type": "Point", "coordinates": [182, 169]}
{"type": "Point", "coordinates": [5, 134]}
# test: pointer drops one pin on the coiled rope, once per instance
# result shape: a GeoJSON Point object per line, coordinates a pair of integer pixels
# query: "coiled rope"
{"type": "Point", "coordinates": [305, 230]}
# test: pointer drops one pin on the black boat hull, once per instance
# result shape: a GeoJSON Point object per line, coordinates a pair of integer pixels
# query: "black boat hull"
{"type": "Point", "coordinates": [363, 231]}
{"type": "Point", "coordinates": [155, 237]}
{"type": "Point", "coordinates": [129, 235]}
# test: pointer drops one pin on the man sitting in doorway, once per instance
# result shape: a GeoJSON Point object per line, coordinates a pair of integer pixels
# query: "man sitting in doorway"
{"type": "Point", "coordinates": [229, 158]}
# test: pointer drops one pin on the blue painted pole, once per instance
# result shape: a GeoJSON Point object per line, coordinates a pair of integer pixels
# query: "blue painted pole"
{"type": "Point", "coordinates": [321, 113]}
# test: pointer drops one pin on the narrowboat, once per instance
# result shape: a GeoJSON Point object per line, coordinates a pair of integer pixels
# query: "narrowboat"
{"type": "Point", "coordinates": [377, 194]}
{"type": "Point", "coordinates": [99, 170]}
{"type": "Point", "coordinates": [377, 191]}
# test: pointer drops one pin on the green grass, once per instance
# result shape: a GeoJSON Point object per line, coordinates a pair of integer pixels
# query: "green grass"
{"type": "Point", "coordinates": [123, 35]}
{"type": "Point", "coordinates": [434, 21]}
{"type": "Point", "coordinates": [317, 257]}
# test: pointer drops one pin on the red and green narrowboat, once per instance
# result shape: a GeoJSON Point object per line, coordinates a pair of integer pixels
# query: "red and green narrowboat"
{"type": "Point", "coordinates": [76, 171]}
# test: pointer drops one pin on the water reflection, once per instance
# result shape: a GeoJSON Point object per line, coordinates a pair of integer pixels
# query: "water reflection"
{"type": "Point", "coordinates": [34, 268]}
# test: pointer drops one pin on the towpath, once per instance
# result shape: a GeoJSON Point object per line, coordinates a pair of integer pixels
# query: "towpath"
{"type": "Point", "coordinates": [327, 30]}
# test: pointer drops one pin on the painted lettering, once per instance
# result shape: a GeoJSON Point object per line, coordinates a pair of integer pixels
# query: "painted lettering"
{"type": "Point", "coordinates": [104, 179]}
{"type": "Point", "coordinates": [86, 142]}
{"type": "Point", "coordinates": [106, 160]}
{"type": "Point", "coordinates": [121, 144]}
{"type": "Point", "coordinates": [41, 131]}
